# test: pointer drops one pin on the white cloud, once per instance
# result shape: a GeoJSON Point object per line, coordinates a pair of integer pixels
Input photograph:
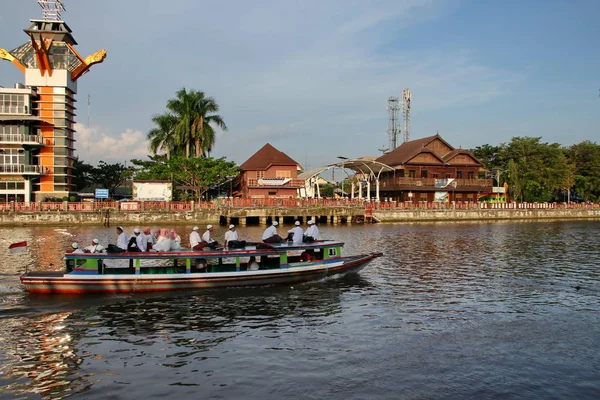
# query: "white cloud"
{"type": "Point", "coordinates": [94, 145]}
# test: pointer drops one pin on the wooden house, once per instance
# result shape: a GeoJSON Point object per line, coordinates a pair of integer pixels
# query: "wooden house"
{"type": "Point", "coordinates": [269, 173]}
{"type": "Point", "coordinates": [430, 169]}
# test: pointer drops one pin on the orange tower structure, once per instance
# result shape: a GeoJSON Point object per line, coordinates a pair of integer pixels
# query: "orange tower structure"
{"type": "Point", "coordinates": [51, 66]}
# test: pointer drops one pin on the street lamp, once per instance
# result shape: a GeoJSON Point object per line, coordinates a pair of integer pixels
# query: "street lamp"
{"type": "Point", "coordinates": [231, 177]}
{"type": "Point", "coordinates": [343, 159]}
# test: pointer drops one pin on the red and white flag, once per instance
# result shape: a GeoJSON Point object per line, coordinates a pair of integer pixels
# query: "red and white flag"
{"type": "Point", "coordinates": [19, 247]}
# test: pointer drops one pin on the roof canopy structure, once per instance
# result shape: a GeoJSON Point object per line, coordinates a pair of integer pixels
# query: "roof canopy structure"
{"type": "Point", "coordinates": [368, 168]}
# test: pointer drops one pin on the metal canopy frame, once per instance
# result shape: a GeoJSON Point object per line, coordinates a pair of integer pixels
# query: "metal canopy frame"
{"type": "Point", "coordinates": [370, 169]}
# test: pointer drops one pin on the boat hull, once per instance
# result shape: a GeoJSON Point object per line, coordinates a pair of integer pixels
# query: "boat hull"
{"type": "Point", "coordinates": [46, 283]}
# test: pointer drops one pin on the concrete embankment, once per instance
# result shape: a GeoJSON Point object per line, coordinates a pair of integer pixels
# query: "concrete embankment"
{"type": "Point", "coordinates": [264, 215]}
{"type": "Point", "coordinates": [416, 215]}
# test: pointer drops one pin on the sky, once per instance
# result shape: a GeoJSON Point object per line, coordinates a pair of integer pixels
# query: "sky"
{"type": "Point", "coordinates": [312, 78]}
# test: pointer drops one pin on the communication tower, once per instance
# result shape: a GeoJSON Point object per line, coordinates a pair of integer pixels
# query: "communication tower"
{"type": "Point", "coordinates": [393, 124]}
{"type": "Point", "coordinates": [51, 9]}
{"type": "Point", "coordinates": [406, 99]}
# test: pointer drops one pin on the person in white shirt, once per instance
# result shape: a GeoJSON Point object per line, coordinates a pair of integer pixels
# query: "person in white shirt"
{"type": "Point", "coordinates": [94, 247]}
{"type": "Point", "coordinates": [140, 240]}
{"type": "Point", "coordinates": [149, 237]}
{"type": "Point", "coordinates": [76, 249]}
{"type": "Point", "coordinates": [122, 240]}
{"type": "Point", "coordinates": [175, 240]}
{"type": "Point", "coordinates": [270, 234]}
{"type": "Point", "coordinates": [252, 264]}
{"type": "Point", "coordinates": [206, 237]}
{"type": "Point", "coordinates": [297, 233]}
{"type": "Point", "coordinates": [163, 243]}
{"type": "Point", "coordinates": [232, 239]}
{"type": "Point", "coordinates": [231, 235]}
{"type": "Point", "coordinates": [312, 233]}
{"type": "Point", "coordinates": [195, 239]}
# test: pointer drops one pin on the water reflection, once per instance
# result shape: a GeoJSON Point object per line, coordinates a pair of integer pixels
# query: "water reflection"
{"type": "Point", "coordinates": [42, 354]}
{"type": "Point", "coordinates": [449, 302]}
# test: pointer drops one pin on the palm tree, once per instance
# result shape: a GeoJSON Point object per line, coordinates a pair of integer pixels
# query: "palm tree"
{"type": "Point", "coordinates": [163, 136]}
{"type": "Point", "coordinates": [194, 124]}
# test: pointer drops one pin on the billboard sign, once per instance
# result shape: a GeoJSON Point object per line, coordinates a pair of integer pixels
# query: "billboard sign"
{"type": "Point", "coordinates": [101, 193]}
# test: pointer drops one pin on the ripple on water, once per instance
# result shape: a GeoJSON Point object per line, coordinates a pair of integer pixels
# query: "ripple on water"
{"type": "Point", "coordinates": [452, 310]}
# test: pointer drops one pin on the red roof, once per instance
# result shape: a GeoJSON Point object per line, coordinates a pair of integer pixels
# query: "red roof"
{"type": "Point", "coordinates": [266, 157]}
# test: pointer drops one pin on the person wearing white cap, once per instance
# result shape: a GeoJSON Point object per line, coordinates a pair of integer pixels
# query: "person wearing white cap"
{"type": "Point", "coordinates": [141, 240]}
{"type": "Point", "coordinates": [122, 239]}
{"type": "Point", "coordinates": [206, 237]}
{"type": "Point", "coordinates": [296, 233]}
{"type": "Point", "coordinates": [76, 249]}
{"type": "Point", "coordinates": [94, 247]}
{"type": "Point", "coordinates": [232, 239]}
{"type": "Point", "coordinates": [312, 233]}
{"type": "Point", "coordinates": [137, 242]}
{"type": "Point", "coordinates": [195, 239]}
{"type": "Point", "coordinates": [270, 234]}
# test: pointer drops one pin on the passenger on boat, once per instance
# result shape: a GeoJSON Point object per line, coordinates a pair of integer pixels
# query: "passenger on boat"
{"type": "Point", "coordinates": [252, 264]}
{"type": "Point", "coordinates": [155, 235]}
{"type": "Point", "coordinates": [94, 247]}
{"type": "Point", "coordinates": [175, 240]}
{"type": "Point", "coordinates": [122, 240]}
{"type": "Point", "coordinates": [306, 255]}
{"type": "Point", "coordinates": [312, 233]}
{"type": "Point", "coordinates": [295, 234]}
{"type": "Point", "coordinates": [206, 237]}
{"type": "Point", "coordinates": [76, 249]}
{"type": "Point", "coordinates": [270, 234]}
{"type": "Point", "coordinates": [164, 241]}
{"type": "Point", "coordinates": [195, 239]}
{"type": "Point", "coordinates": [138, 241]}
{"type": "Point", "coordinates": [149, 237]}
{"type": "Point", "coordinates": [232, 239]}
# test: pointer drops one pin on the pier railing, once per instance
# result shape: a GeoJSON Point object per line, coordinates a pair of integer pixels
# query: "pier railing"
{"type": "Point", "coordinates": [175, 206]}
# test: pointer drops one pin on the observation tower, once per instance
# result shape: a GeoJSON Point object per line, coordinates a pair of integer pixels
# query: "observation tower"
{"type": "Point", "coordinates": [37, 119]}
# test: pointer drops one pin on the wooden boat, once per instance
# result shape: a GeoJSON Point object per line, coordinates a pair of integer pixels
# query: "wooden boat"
{"type": "Point", "coordinates": [130, 272]}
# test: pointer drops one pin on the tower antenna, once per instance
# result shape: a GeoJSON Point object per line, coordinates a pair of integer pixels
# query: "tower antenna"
{"type": "Point", "coordinates": [406, 99]}
{"type": "Point", "coordinates": [393, 126]}
{"type": "Point", "coordinates": [51, 9]}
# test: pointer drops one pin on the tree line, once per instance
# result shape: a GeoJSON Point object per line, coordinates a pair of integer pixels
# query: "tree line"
{"type": "Point", "coordinates": [540, 172]}
{"type": "Point", "coordinates": [183, 136]}
{"type": "Point", "coordinates": [180, 144]}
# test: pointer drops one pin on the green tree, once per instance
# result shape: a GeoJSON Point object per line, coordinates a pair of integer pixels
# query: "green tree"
{"type": "Point", "coordinates": [489, 156]}
{"type": "Point", "coordinates": [199, 174]}
{"type": "Point", "coordinates": [110, 176]}
{"type": "Point", "coordinates": [82, 172]}
{"type": "Point", "coordinates": [536, 170]}
{"type": "Point", "coordinates": [154, 169]}
{"type": "Point", "coordinates": [585, 158]}
{"type": "Point", "coordinates": [191, 177]}
{"type": "Point", "coordinates": [194, 112]}
{"type": "Point", "coordinates": [162, 137]}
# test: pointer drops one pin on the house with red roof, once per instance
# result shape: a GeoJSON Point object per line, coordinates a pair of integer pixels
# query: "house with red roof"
{"type": "Point", "coordinates": [430, 169]}
{"type": "Point", "coordinates": [269, 173]}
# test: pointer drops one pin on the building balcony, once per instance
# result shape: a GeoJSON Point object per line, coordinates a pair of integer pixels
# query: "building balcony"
{"type": "Point", "coordinates": [20, 169]}
{"type": "Point", "coordinates": [436, 184]}
{"type": "Point", "coordinates": [275, 183]}
{"type": "Point", "coordinates": [22, 110]}
{"type": "Point", "coordinates": [32, 140]}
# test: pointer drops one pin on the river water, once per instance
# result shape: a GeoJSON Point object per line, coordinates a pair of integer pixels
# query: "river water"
{"type": "Point", "coordinates": [506, 310]}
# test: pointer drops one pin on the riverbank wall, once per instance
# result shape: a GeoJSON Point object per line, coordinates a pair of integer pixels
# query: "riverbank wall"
{"type": "Point", "coordinates": [264, 216]}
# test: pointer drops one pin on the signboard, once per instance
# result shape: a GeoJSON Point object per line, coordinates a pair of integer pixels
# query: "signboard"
{"type": "Point", "coordinates": [152, 191]}
{"type": "Point", "coordinates": [101, 193]}
{"type": "Point", "coordinates": [498, 189]}
{"type": "Point", "coordinates": [441, 197]}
